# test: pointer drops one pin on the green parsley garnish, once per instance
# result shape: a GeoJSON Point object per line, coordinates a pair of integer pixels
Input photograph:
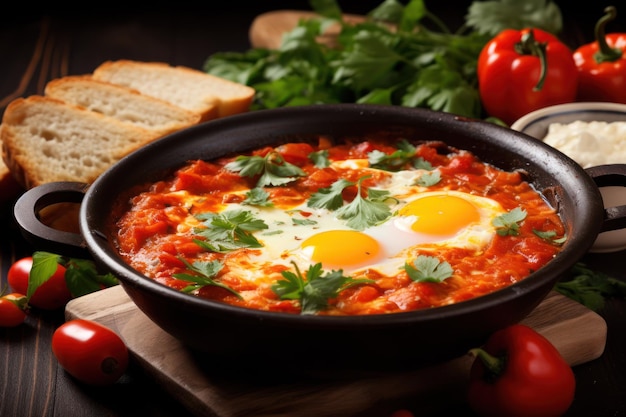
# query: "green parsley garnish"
{"type": "Point", "coordinates": [202, 276]}
{"type": "Point", "coordinates": [303, 222]}
{"type": "Point", "coordinates": [428, 269]}
{"type": "Point", "coordinates": [507, 224]}
{"type": "Point", "coordinates": [361, 212]}
{"type": "Point", "coordinates": [329, 198]}
{"type": "Point", "coordinates": [320, 158]}
{"type": "Point", "coordinates": [257, 197]}
{"type": "Point", "coordinates": [429, 179]}
{"type": "Point", "coordinates": [401, 158]}
{"type": "Point", "coordinates": [590, 288]}
{"type": "Point", "coordinates": [272, 168]}
{"type": "Point", "coordinates": [550, 236]}
{"type": "Point", "coordinates": [421, 163]}
{"type": "Point", "coordinates": [229, 230]}
{"type": "Point", "coordinates": [315, 289]}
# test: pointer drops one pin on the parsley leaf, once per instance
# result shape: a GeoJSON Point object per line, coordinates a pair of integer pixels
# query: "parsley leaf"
{"type": "Point", "coordinates": [590, 288]}
{"type": "Point", "coordinates": [549, 235]}
{"type": "Point", "coordinates": [320, 158]}
{"type": "Point", "coordinates": [272, 168]}
{"type": "Point", "coordinates": [399, 159]}
{"type": "Point", "coordinates": [507, 224]}
{"type": "Point", "coordinates": [428, 269]}
{"type": "Point", "coordinates": [361, 212]}
{"type": "Point", "coordinates": [429, 179]}
{"type": "Point", "coordinates": [330, 197]}
{"type": "Point", "coordinates": [229, 230]}
{"type": "Point", "coordinates": [257, 197]}
{"type": "Point", "coordinates": [202, 275]}
{"type": "Point", "coordinates": [315, 289]}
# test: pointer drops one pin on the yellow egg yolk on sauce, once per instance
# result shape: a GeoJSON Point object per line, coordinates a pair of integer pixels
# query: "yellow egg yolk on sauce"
{"type": "Point", "coordinates": [341, 248]}
{"type": "Point", "coordinates": [440, 214]}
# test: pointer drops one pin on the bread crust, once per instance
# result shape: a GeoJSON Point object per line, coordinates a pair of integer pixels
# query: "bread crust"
{"type": "Point", "coordinates": [46, 140]}
{"type": "Point", "coordinates": [85, 123]}
{"type": "Point", "coordinates": [123, 103]}
{"type": "Point", "coordinates": [186, 87]}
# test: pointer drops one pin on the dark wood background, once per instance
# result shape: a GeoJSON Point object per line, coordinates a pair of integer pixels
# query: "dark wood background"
{"type": "Point", "coordinates": [41, 43]}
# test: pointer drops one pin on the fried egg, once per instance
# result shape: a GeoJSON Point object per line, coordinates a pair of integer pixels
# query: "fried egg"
{"type": "Point", "coordinates": [308, 236]}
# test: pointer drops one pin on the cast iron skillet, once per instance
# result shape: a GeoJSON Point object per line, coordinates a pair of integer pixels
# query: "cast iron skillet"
{"type": "Point", "coordinates": [250, 339]}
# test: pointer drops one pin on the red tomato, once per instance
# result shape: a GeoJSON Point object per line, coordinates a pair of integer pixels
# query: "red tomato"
{"type": "Point", "coordinates": [90, 352]}
{"type": "Point", "coordinates": [520, 373]}
{"type": "Point", "coordinates": [51, 295]}
{"type": "Point", "coordinates": [520, 71]}
{"type": "Point", "coordinates": [295, 153]}
{"type": "Point", "coordinates": [12, 310]}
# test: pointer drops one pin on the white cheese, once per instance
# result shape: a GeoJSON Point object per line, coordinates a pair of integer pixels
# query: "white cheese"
{"type": "Point", "coordinates": [590, 143]}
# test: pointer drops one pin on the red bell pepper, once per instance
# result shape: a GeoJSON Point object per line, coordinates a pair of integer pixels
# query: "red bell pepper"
{"type": "Point", "coordinates": [520, 373]}
{"type": "Point", "coordinates": [520, 71]}
{"type": "Point", "coordinates": [602, 64]}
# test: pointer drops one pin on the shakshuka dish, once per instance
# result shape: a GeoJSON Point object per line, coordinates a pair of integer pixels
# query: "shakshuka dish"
{"type": "Point", "coordinates": [370, 227]}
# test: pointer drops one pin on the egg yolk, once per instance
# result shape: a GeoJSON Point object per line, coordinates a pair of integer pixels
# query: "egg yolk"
{"type": "Point", "coordinates": [440, 214]}
{"type": "Point", "coordinates": [341, 248]}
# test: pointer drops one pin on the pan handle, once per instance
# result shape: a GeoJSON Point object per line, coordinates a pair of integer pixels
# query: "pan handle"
{"type": "Point", "coordinates": [612, 175]}
{"type": "Point", "coordinates": [41, 236]}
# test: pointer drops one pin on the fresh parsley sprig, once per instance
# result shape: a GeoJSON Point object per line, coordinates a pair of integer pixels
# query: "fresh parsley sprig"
{"type": "Point", "coordinates": [550, 236]}
{"type": "Point", "coordinates": [508, 224]}
{"type": "Point", "coordinates": [590, 288]}
{"type": "Point", "coordinates": [329, 198]}
{"type": "Point", "coordinates": [428, 269]}
{"type": "Point", "coordinates": [202, 275]}
{"type": "Point", "coordinates": [360, 213]}
{"type": "Point", "coordinates": [314, 289]}
{"type": "Point", "coordinates": [272, 169]}
{"type": "Point", "coordinates": [229, 230]}
{"type": "Point", "coordinates": [257, 197]}
{"type": "Point", "coordinates": [402, 157]}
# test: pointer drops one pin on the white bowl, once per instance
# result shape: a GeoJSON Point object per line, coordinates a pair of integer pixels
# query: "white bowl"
{"type": "Point", "coordinates": [537, 123]}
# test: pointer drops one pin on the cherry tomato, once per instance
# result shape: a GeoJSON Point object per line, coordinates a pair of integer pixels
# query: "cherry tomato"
{"type": "Point", "coordinates": [90, 352]}
{"type": "Point", "coordinates": [13, 309]}
{"type": "Point", "coordinates": [51, 295]}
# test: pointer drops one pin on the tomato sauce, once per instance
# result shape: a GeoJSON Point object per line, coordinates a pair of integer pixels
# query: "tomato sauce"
{"type": "Point", "coordinates": [157, 233]}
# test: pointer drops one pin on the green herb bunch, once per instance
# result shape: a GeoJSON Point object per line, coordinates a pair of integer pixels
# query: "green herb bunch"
{"type": "Point", "coordinates": [395, 57]}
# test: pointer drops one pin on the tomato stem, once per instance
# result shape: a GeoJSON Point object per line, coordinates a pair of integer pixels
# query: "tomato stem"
{"type": "Point", "coordinates": [494, 365]}
{"type": "Point", "coordinates": [605, 53]}
{"type": "Point", "coordinates": [530, 46]}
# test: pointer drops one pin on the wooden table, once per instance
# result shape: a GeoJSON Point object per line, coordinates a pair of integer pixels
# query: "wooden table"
{"type": "Point", "coordinates": [37, 47]}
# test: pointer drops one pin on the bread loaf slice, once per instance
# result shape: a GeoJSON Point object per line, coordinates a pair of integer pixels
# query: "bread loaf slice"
{"type": "Point", "coordinates": [122, 103]}
{"type": "Point", "coordinates": [9, 187]}
{"type": "Point", "coordinates": [46, 140]}
{"type": "Point", "coordinates": [188, 88]}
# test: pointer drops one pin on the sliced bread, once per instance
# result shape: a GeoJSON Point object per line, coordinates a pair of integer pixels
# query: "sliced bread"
{"type": "Point", "coordinates": [122, 103]}
{"type": "Point", "coordinates": [46, 140]}
{"type": "Point", "coordinates": [9, 187]}
{"type": "Point", "coordinates": [188, 88]}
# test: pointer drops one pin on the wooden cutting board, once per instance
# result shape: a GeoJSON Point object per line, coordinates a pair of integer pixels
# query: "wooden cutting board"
{"type": "Point", "coordinates": [578, 333]}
